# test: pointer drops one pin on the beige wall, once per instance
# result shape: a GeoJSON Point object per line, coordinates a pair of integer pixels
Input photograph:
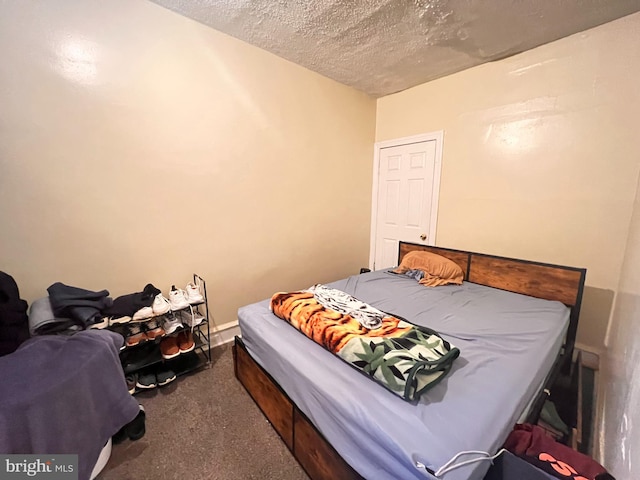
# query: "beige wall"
{"type": "Point", "coordinates": [619, 439]}
{"type": "Point", "coordinates": [541, 155]}
{"type": "Point", "coordinates": [139, 146]}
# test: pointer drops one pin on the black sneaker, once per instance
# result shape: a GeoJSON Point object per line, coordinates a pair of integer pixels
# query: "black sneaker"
{"type": "Point", "coordinates": [165, 375]}
{"type": "Point", "coordinates": [120, 436]}
{"type": "Point", "coordinates": [131, 382]}
{"type": "Point", "coordinates": [147, 380]}
{"type": "Point", "coordinates": [135, 429]}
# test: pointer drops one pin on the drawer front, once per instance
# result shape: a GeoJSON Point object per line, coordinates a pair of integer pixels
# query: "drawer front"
{"type": "Point", "coordinates": [273, 403]}
{"type": "Point", "coordinates": [317, 457]}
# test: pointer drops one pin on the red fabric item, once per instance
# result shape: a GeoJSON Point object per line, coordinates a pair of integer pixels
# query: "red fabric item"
{"type": "Point", "coordinates": [531, 443]}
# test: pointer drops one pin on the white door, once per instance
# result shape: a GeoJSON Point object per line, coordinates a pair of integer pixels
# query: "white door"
{"type": "Point", "coordinates": [405, 206]}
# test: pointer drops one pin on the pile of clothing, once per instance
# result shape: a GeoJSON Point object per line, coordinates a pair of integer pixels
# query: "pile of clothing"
{"type": "Point", "coordinates": [68, 309]}
{"type": "Point", "coordinates": [532, 444]}
{"type": "Point", "coordinates": [14, 328]}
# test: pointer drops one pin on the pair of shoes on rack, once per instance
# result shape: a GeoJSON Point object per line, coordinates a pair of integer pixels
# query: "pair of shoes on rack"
{"type": "Point", "coordinates": [190, 317]}
{"type": "Point", "coordinates": [153, 329]}
{"type": "Point", "coordinates": [141, 332]}
{"type": "Point", "coordinates": [171, 324]}
{"type": "Point", "coordinates": [160, 306]}
{"type": "Point", "coordinates": [134, 335]}
{"type": "Point", "coordinates": [158, 376]}
{"type": "Point", "coordinates": [180, 299]}
{"type": "Point", "coordinates": [172, 346]}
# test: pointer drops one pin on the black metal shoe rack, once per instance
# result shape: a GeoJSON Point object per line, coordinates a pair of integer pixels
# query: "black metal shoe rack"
{"type": "Point", "coordinates": [145, 355]}
{"type": "Point", "coordinates": [202, 333]}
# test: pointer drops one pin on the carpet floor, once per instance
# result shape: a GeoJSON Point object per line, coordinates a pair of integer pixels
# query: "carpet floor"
{"type": "Point", "coordinates": [203, 426]}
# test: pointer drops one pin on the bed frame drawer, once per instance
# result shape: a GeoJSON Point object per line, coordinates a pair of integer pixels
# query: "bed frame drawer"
{"type": "Point", "coordinates": [273, 403]}
{"type": "Point", "coordinates": [316, 455]}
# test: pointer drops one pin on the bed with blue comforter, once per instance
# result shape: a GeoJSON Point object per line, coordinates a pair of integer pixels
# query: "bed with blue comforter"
{"type": "Point", "coordinates": [508, 346]}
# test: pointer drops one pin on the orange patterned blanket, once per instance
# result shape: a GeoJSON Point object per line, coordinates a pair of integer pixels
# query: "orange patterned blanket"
{"type": "Point", "coordinates": [405, 358]}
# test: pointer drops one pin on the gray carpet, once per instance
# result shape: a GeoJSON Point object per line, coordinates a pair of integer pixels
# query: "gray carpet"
{"type": "Point", "coordinates": [203, 426]}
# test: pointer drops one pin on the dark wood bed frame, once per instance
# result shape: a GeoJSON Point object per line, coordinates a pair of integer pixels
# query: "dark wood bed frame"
{"type": "Point", "coordinates": [309, 447]}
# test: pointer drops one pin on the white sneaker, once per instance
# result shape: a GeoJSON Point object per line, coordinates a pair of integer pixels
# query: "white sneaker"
{"type": "Point", "coordinates": [171, 324]}
{"type": "Point", "coordinates": [191, 318]}
{"type": "Point", "coordinates": [102, 323]}
{"type": "Point", "coordinates": [160, 305]}
{"type": "Point", "coordinates": [142, 314]}
{"type": "Point", "coordinates": [178, 298]}
{"type": "Point", "coordinates": [123, 319]}
{"type": "Point", "coordinates": [193, 294]}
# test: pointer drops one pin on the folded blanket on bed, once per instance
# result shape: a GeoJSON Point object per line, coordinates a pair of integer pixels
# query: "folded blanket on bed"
{"type": "Point", "coordinates": [407, 359]}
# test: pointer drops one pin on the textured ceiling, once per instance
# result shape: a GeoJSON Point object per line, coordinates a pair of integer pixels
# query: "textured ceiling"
{"type": "Point", "coordinates": [385, 46]}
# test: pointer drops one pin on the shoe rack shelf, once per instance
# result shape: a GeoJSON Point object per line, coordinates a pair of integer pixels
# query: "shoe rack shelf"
{"type": "Point", "coordinates": [147, 354]}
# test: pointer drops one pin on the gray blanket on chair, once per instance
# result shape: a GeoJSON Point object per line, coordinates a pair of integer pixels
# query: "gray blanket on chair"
{"type": "Point", "coordinates": [64, 395]}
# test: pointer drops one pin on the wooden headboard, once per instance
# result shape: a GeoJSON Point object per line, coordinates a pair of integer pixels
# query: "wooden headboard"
{"type": "Point", "coordinates": [540, 280]}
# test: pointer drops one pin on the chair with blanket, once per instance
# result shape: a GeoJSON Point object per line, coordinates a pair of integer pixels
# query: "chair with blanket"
{"type": "Point", "coordinates": [65, 395]}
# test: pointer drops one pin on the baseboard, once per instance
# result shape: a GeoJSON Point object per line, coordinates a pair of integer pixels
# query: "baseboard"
{"type": "Point", "coordinates": [225, 333]}
{"type": "Point", "coordinates": [590, 356]}
{"type": "Point", "coordinates": [598, 425]}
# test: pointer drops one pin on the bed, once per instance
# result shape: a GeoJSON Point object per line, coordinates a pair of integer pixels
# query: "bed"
{"type": "Point", "coordinates": [514, 322]}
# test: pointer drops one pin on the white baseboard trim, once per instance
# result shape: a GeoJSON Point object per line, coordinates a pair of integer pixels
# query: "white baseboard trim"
{"type": "Point", "coordinates": [225, 333]}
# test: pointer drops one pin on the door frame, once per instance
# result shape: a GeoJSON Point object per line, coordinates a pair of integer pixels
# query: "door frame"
{"type": "Point", "coordinates": [438, 136]}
